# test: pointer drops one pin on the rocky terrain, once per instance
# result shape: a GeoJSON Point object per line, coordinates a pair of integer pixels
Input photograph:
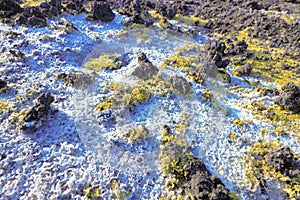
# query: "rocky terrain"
{"type": "Point", "coordinates": [149, 100]}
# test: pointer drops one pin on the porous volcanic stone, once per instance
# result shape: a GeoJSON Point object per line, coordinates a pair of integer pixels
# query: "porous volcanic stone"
{"type": "Point", "coordinates": [289, 98]}
{"type": "Point", "coordinates": [33, 118]}
{"type": "Point", "coordinates": [145, 69]}
{"type": "Point", "coordinates": [283, 160]}
{"type": "Point", "coordinates": [202, 184]}
{"type": "Point", "coordinates": [9, 8]}
{"type": "Point", "coordinates": [181, 85]}
{"type": "Point", "coordinates": [101, 11]}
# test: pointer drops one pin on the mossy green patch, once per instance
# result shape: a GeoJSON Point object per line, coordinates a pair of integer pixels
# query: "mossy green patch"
{"type": "Point", "coordinates": [232, 136]}
{"type": "Point", "coordinates": [189, 63]}
{"type": "Point", "coordinates": [173, 158]}
{"type": "Point", "coordinates": [92, 192]}
{"type": "Point", "coordinates": [190, 20]}
{"type": "Point", "coordinates": [104, 106]}
{"type": "Point", "coordinates": [18, 116]}
{"type": "Point", "coordinates": [271, 69]}
{"type": "Point", "coordinates": [139, 95]}
{"type": "Point", "coordinates": [124, 97]}
{"type": "Point", "coordinates": [256, 160]}
{"type": "Point", "coordinates": [257, 170]}
{"type": "Point", "coordinates": [136, 33]}
{"type": "Point", "coordinates": [283, 121]}
{"type": "Point", "coordinates": [177, 62]}
{"type": "Point", "coordinates": [238, 122]}
{"type": "Point", "coordinates": [106, 61]}
{"type": "Point", "coordinates": [31, 3]}
{"type": "Point", "coordinates": [118, 192]}
{"type": "Point", "coordinates": [155, 14]}
{"type": "Point", "coordinates": [4, 106]}
{"type": "Point", "coordinates": [136, 134]}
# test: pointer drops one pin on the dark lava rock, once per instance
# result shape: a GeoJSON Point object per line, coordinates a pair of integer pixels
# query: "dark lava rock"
{"type": "Point", "coordinates": [35, 16]}
{"type": "Point", "coordinates": [45, 99]}
{"type": "Point", "coordinates": [3, 84]}
{"type": "Point", "coordinates": [214, 46]}
{"type": "Point", "coordinates": [56, 4]}
{"type": "Point", "coordinates": [283, 160]}
{"type": "Point", "coordinates": [216, 52]}
{"type": "Point", "coordinates": [241, 47]}
{"type": "Point", "coordinates": [244, 70]}
{"type": "Point", "coordinates": [75, 79]}
{"type": "Point", "coordinates": [220, 63]}
{"type": "Point", "coordinates": [167, 11]}
{"type": "Point", "coordinates": [137, 18]}
{"type": "Point", "coordinates": [181, 85]}
{"type": "Point", "coordinates": [9, 8]}
{"type": "Point", "coordinates": [217, 58]}
{"type": "Point", "coordinates": [33, 118]}
{"type": "Point", "coordinates": [21, 19]}
{"type": "Point", "coordinates": [76, 6]}
{"type": "Point", "coordinates": [36, 11]}
{"type": "Point", "coordinates": [286, 66]}
{"type": "Point", "coordinates": [145, 69]}
{"type": "Point", "coordinates": [101, 11]}
{"type": "Point", "coordinates": [202, 184]}
{"type": "Point", "coordinates": [289, 98]}
{"type": "Point", "coordinates": [36, 21]}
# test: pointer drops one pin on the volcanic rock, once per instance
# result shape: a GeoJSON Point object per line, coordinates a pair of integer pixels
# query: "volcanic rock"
{"type": "Point", "coordinates": [181, 85]}
{"type": "Point", "coordinates": [202, 184]}
{"type": "Point", "coordinates": [101, 11]}
{"type": "Point", "coordinates": [36, 21]}
{"type": "Point", "coordinates": [3, 84]}
{"type": "Point", "coordinates": [283, 160]}
{"type": "Point", "coordinates": [145, 69]}
{"type": "Point", "coordinates": [244, 70]}
{"type": "Point", "coordinates": [289, 98]}
{"type": "Point", "coordinates": [34, 117]}
{"type": "Point", "coordinates": [9, 8]}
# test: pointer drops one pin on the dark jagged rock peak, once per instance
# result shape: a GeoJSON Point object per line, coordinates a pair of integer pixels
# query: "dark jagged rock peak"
{"type": "Point", "coordinates": [145, 69]}
{"type": "Point", "coordinates": [36, 114]}
{"type": "Point", "coordinates": [101, 11]}
{"type": "Point", "coordinates": [289, 97]}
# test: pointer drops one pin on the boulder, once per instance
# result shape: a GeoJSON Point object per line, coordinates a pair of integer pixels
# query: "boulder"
{"type": "Point", "coordinates": [9, 8]}
{"type": "Point", "coordinates": [241, 47]}
{"type": "Point", "coordinates": [3, 84]}
{"type": "Point", "coordinates": [202, 184]}
{"type": "Point", "coordinates": [181, 85]}
{"type": "Point", "coordinates": [289, 97]}
{"type": "Point", "coordinates": [283, 160]}
{"type": "Point", "coordinates": [214, 46]}
{"type": "Point", "coordinates": [21, 19]}
{"type": "Point", "coordinates": [56, 4]}
{"type": "Point", "coordinates": [36, 114]}
{"type": "Point", "coordinates": [244, 70]}
{"type": "Point", "coordinates": [36, 21]}
{"type": "Point", "coordinates": [145, 69]}
{"type": "Point", "coordinates": [101, 11]}
{"type": "Point", "coordinates": [166, 11]}
{"type": "Point", "coordinates": [216, 51]}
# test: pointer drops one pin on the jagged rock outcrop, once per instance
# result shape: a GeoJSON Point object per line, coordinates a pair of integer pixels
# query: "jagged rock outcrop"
{"type": "Point", "coordinates": [36, 114]}
{"type": "Point", "coordinates": [145, 69]}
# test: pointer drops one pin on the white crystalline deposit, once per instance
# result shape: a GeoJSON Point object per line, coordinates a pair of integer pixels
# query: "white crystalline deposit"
{"type": "Point", "coordinates": [72, 150]}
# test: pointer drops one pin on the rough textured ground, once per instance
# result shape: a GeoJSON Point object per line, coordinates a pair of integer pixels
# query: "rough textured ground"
{"type": "Point", "coordinates": [154, 100]}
